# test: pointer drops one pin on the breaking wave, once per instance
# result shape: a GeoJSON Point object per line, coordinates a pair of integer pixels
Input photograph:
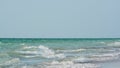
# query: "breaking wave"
{"type": "Point", "coordinates": [114, 44]}
{"type": "Point", "coordinates": [75, 50]}
{"type": "Point", "coordinates": [59, 55]}
{"type": "Point", "coordinates": [35, 51]}
{"type": "Point", "coordinates": [69, 64]}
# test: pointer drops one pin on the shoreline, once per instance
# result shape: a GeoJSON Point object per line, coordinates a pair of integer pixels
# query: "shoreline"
{"type": "Point", "coordinates": [113, 64]}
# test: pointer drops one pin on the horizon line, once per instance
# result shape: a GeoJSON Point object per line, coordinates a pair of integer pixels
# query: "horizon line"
{"type": "Point", "coordinates": [63, 38]}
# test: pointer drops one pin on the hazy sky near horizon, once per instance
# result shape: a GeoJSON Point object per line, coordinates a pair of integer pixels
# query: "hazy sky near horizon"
{"type": "Point", "coordinates": [59, 18]}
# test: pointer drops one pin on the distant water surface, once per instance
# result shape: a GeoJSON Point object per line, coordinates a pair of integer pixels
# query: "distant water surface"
{"type": "Point", "coordinates": [59, 53]}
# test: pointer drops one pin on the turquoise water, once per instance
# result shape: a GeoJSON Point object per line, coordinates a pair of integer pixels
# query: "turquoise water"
{"type": "Point", "coordinates": [58, 53]}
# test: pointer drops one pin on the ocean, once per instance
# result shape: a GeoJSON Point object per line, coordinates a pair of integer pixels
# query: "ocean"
{"type": "Point", "coordinates": [59, 52]}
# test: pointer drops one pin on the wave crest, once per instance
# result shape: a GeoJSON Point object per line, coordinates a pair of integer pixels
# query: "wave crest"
{"type": "Point", "coordinates": [33, 51]}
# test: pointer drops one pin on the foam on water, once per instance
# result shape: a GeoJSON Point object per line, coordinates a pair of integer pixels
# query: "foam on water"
{"type": "Point", "coordinates": [114, 44]}
{"type": "Point", "coordinates": [40, 51]}
{"type": "Point", "coordinates": [58, 53]}
{"type": "Point", "coordinates": [10, 62]}
{"type": "Point", "coordinates": [22, 44]}
{"type": "Point", "coordinates": [102, 42]}
{"type": "Point", "coordinates": [76, 50]}
{"type": "Point", "coordinates": [69, 64]}
{"type": "Point", "coordinates": [117, 43]}
{"type": "Point", "coordinates": [96, 58]}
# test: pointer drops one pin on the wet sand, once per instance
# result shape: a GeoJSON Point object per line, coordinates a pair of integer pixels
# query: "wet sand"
{"type": "Point", "coordinates": [115, 64]}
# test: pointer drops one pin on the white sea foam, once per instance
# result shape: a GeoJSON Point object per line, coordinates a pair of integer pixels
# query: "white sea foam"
{"type": "Point", "coordinates": [31, 56]}
{"type": "Point", "coordinates": [103, 58]}
{"type": "Point", "coordinates": [76, 50]}
{"type": "Point", "coordinates": [10, 62]}
{"type": "Point", "coordinates": [97, 58]}
{"type": "Point", "coordinates": [41, 51]}
{"type": "Point", "coordinates": [57, 64]}
{"type": "Point", "coordinates": [114, 44]}
{"type": "Point", "coordinates": [28, 52]}
{"type": "Point", "coordinates": [102, 42]}
{"type": "Point", "coordinates": [22, 44]}
{"type": "Point", "coordinates": [29, 47]}
{"type": "Point", "coordinates": [69, 64]}
{"type": "Point", "coordinates": [117, 43]}
{"type": "Point", "coordinates": [81, 60]}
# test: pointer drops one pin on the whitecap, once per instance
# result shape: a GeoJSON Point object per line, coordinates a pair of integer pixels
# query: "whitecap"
{"type": "Point", "coordinates": [117, 43]}
{"type": "Point", "coordinates": [114, 44]}
{"type": "Point", "coordinates": [27, 52]}
{"type": "Point", "coordinates": [69, 64]}
{"type": "Point", "coordinates": [11, 61]}
{"type": "Point", "coordinates": [29, 47]}
{"type": "Point", "coordinates": [102, 42]}
{"type": "Point", "coordinates": [97, 58]}
{"type": "Point", "coordinates": [41, 51]}
{"type": "Point", "coordinates": [22, 44]}
{"type": "Point", "coordinates": [75, 50]}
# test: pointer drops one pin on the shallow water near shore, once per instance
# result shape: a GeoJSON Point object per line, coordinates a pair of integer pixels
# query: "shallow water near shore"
{"type": "Point", "coordinates": [59, 53]}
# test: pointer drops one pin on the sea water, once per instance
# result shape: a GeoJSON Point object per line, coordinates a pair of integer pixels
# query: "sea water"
{"type": "Point", "coordinates": [58, 52]}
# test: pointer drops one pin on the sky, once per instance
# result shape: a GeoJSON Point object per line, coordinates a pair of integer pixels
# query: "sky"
{"type": "Point", "coordinates": [59, 18]}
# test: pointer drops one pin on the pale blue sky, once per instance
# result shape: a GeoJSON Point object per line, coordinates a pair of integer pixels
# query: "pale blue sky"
{"type": "Point", "coordinates": [59, 18]}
